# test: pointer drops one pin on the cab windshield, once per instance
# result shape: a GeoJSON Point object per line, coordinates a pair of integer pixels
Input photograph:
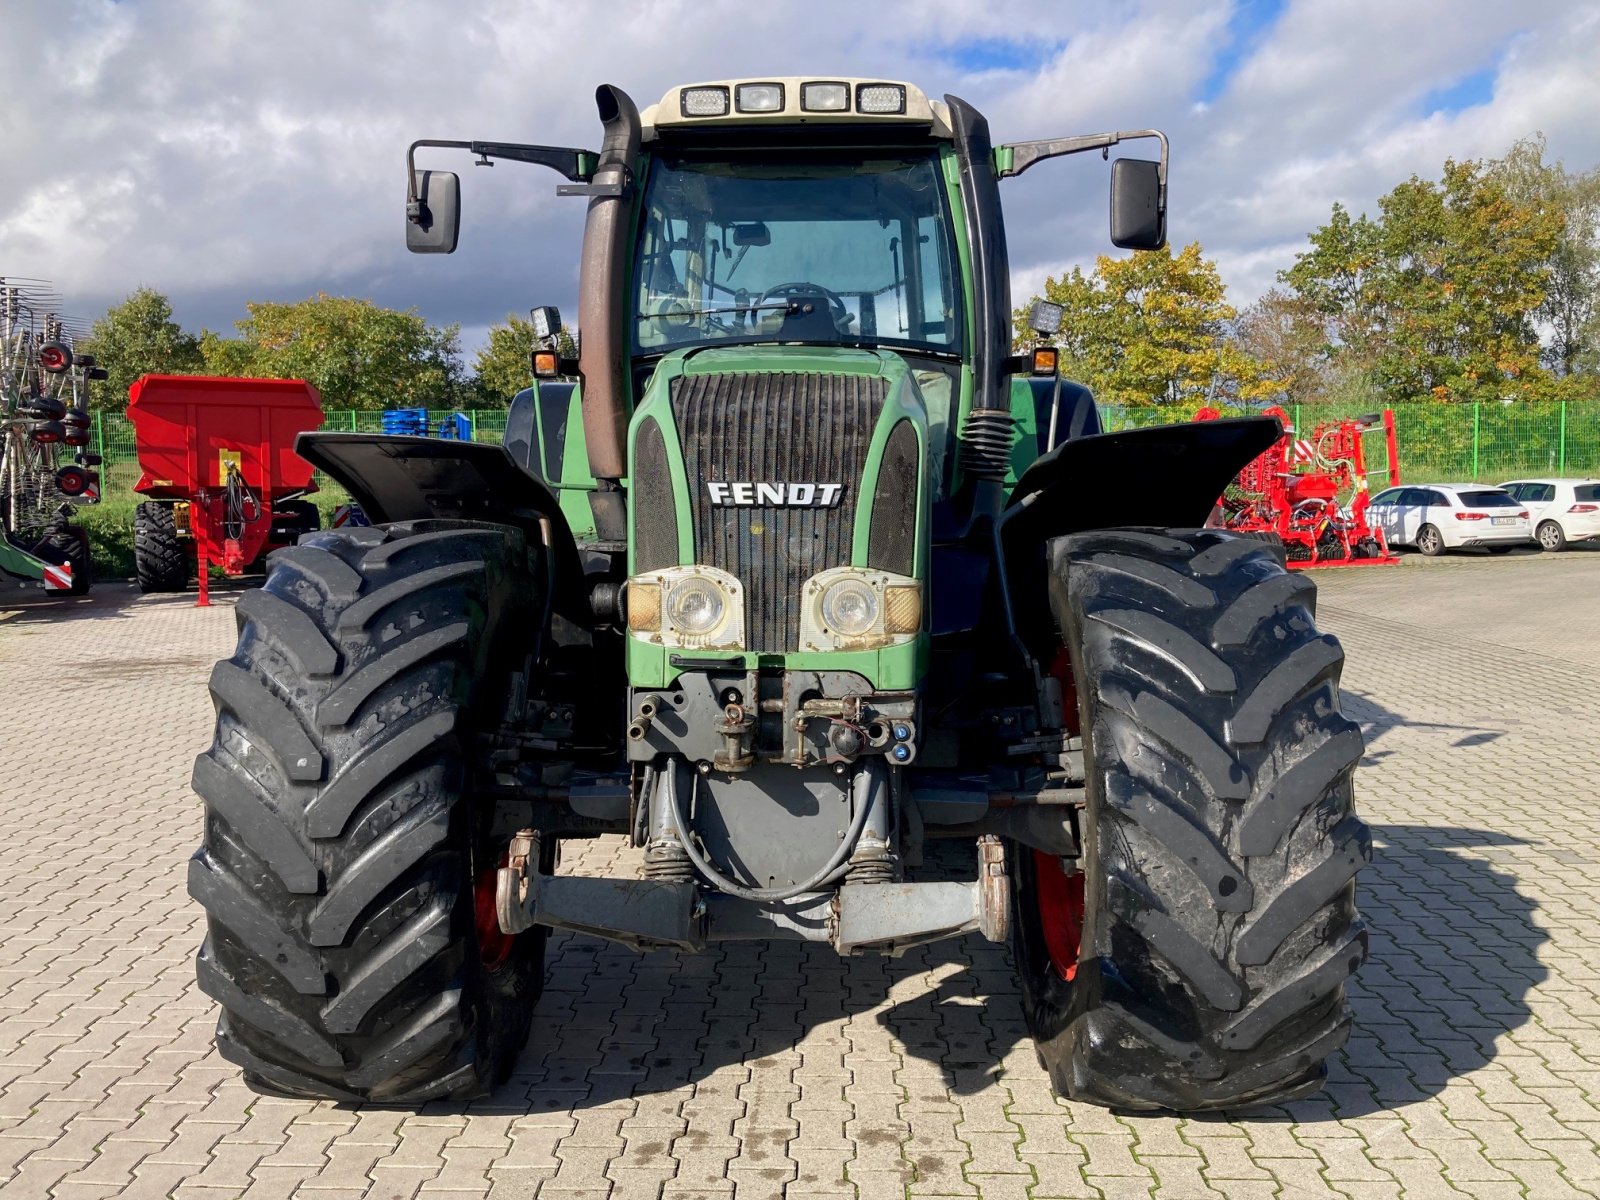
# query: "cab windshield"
{"type": "Point", "coordinates": [815, 249]}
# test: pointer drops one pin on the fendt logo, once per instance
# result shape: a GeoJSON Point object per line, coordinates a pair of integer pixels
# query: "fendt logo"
{"type": "Point", "coordinates": [782, 495]}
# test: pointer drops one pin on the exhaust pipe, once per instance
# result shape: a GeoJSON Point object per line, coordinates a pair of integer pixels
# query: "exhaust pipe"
{"type": "Point", "coordinates": [602, 352]}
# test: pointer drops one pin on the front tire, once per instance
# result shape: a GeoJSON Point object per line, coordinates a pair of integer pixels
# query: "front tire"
{"type": "Point", "coordinates": [344, 860]}
{"type": "Point", "coordinates": [1219, 843]}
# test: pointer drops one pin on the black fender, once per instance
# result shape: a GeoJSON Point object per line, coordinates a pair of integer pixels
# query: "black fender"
{"type": "Point", "coordinates": [395, 478]}
{"type": "Point", "coordinates": [1168, 476]}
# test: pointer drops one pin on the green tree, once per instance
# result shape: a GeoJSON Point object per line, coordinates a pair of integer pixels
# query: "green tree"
{"type": "Point", "coordinates": [356, 353]}
{"type": "Point", "coordinates": [1152, 329]}
{"type": "Point", "coordinates": [1571, 307]}
{"type": "Point", "coordinates": [138, 337]}
{"type": "Point", "coordinates": [502, 367]}
{"type": "Point", "coordinates": [1438, 296]}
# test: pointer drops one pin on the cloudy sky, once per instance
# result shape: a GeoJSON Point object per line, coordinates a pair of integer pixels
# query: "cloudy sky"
{"type": "Point", "coordinates": [224, 150]}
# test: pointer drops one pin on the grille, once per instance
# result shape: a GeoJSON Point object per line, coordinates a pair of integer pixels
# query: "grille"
{"type": "Point", "coordinates": [775, 427]}
{"type": "Point", "coordinates": [892, 539]}
{"type": "Point", "coordinates": [655, 514]}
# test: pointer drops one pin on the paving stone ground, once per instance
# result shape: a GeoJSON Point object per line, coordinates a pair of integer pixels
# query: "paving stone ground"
{"type": "Point", "coordinates": [784, 1071]}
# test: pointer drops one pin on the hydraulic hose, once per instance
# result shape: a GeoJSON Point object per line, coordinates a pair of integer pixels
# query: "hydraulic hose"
{"type": "Point", "coordinates": [825, 875]}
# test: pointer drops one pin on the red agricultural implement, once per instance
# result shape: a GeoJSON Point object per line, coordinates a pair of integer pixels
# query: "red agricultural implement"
{"type": "Point", "coordinates": [1312, 492]}
{"type": "Point", "coordinates": [218, 468]}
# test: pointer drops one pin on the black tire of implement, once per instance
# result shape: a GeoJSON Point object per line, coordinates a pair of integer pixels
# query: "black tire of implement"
{"type": "Point", "coordinates": [340, 837]}
{"type": "Point", "coordinates": [1220, 838]}
{"type": "Point", "coordinates": [160, 561]}
{"type": "Point", "coordinates": [69, 545]}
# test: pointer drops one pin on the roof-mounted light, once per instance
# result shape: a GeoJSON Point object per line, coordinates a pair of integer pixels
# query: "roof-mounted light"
{"type": "Point", "coordinates": [705, 102]}
{"type": "Point", "coordinates": [880, 98]}
{"type": "Point", "coordinates": [759, 97]}
{"type": "Point", "coordinates": [825, 97]}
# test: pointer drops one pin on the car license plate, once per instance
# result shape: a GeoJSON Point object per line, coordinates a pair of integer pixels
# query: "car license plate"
{"type": "Point", "coordinates": [1505, 520]}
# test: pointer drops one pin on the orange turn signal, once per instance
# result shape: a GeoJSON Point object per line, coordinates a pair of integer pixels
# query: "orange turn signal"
{"type": "Point", "coordinates": [1045, 360]}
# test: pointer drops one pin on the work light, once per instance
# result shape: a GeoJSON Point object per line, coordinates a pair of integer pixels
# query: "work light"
{"type": "Point", "coordinates": [824, 97]}
{"type": "Point", "coordinates": [881, 98]}
{"type": "Point", "coordinates": [704, 102]}
{"type": "Point", "coordinates": [759, 97]}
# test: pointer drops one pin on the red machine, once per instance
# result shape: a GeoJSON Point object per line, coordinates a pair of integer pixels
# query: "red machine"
{"type": "Point", "coordinates": [217, 463]}
{"type": "Point", "coordinates": [1313, 492]}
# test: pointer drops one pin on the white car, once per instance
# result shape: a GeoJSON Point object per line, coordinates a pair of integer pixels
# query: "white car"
{"type": "Point", "coordinates": [1561, 510]}
{"type": "Point", "coordinates": [1448, 516]}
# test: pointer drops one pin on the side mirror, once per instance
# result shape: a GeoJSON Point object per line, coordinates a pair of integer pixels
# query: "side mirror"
{"type": "Point", "coordinates": [433, 219]}
{"type": "Point", "coordinates": [1138, 208]}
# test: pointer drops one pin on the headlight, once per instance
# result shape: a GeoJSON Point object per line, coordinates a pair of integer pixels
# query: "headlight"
{"type": "Point", "coordinates": [849, 607]}
{"type": "Point", "coordinates": [697, 607]}
{"type": "Point", "coordinates": [690, 607]}
{"type": "Point", "coordinates": [852, 608]}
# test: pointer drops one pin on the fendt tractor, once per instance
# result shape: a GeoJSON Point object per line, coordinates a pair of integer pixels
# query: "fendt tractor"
{"type": "Point", "coordinates": [805, 569]}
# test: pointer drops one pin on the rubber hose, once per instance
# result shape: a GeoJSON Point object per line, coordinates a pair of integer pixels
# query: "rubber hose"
{"type": "Point", "coordinates": [830, 869]}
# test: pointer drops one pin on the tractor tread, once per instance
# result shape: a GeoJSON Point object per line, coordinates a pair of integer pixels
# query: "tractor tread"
{"type": "Point", "coordinates": [286, 739]}
{"type": "Point", "coordinates": [294, 629]}
{"type": "Point", "coordinates": [374, 869]}
{"type": "Point", "coordinates": [235, 797]}
{"type": "Point", "coordinates": [341, 947]}
{"type": "Point", "coordinates": [1222, 840]}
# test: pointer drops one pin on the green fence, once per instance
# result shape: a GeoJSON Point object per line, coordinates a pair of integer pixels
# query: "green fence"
{"type": "Point", "coordinates": [1439, 443]}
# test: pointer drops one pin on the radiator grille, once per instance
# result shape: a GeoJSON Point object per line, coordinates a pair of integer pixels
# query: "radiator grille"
{"type": "Point", "coordinates": [775, 427]}
{"type": "Point", "coordinates": [892, 539]}
{"type": "Point", "coordinates": [655, 514]}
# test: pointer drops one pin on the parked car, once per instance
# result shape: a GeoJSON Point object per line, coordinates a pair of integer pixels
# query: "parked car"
{"type": "Point", "coordinates": [1448, 516]}
{"type": "Point", "coordinates": [1560, 510]}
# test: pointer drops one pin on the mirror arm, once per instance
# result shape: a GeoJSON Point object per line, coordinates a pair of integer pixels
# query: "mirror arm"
{"type": "Point", "coordinates": [576, 165]}
{"type": "Point", "coordinates": [1025, 154]}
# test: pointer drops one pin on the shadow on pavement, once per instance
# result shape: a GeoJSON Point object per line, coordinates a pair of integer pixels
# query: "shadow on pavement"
{"type": "Point", "coordinates": [29, 605]}
{"type": "Point", "coordinates": [1454, 954]}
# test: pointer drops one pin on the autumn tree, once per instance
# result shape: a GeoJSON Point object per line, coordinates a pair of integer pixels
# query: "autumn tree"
{"type": "Point", "coordinates": [1289, 339]}
{"type": "Point", "coordinates": [502, 367]}
{"type": "Point", "coordinates": [1571, 305]}
{"type": "Point", "coordinates": [1438, 296]}
{"type": "Point", "coordinates": [357, 354]}
{"type": "Point", "coordinates": [138, 337]}
{"type": "Point", "coordinates": [1152, 329]}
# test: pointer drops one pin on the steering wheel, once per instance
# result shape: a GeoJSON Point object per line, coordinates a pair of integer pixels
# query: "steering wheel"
{"type": "Point", "coordinates": [800, 287]}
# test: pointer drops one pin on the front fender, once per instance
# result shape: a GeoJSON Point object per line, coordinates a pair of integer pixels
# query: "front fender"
{"type": "Point", "coordinates": [396, 478]}
{"type": "Point", "coordinates": [1164, 475]}
{"type": "Point", "coordinates": [1167, 476]}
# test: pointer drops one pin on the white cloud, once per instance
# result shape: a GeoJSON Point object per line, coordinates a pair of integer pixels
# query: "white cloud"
{"type": "Point", "coordinates": [225, 153]}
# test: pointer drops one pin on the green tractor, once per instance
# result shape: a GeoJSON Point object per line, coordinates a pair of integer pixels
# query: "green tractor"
{"type": "Point", "coordinates": [806, 569]}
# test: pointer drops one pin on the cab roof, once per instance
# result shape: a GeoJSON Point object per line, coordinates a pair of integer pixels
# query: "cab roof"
{"type": "Point", "coordinates": [795, 100]}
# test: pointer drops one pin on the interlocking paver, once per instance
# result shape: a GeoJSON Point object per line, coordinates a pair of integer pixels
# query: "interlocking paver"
{"type": "Point", "coordinates": [781, 1071]}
